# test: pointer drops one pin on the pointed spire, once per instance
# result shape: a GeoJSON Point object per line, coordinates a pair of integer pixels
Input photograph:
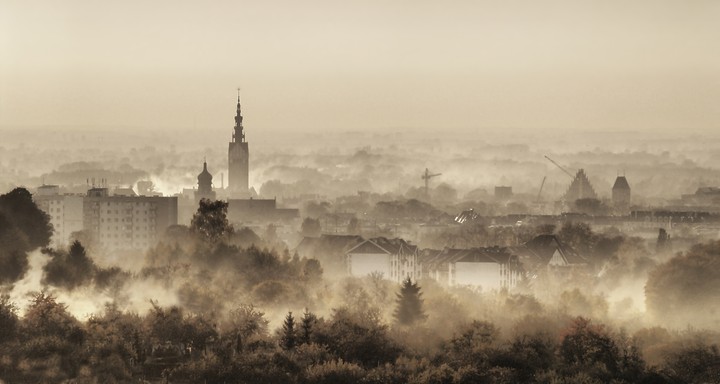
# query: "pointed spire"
{"type": "Point", "coordinates": [238, 133]}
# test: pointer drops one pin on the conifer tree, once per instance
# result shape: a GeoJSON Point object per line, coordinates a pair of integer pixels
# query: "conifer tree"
{"type": "Point", "coordinates": [288, 340]}
{"type": "Point", "coordinates": [409, 304]}
{"type": "Point", "coordinates": [306, 325]}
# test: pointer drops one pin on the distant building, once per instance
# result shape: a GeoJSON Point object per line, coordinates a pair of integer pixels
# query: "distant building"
{"type": "Point", "coordinates": [580, 188]}
{"type": "Point", "coordinates": [503, 193]}
{"type": "Point", "coordinates": [480, 268]}
{"type": "Point", "coordinates": [238, 159]}
{"type": "Point", "coordinates": [258, 210]}
{"type": "Point", "coordinates": [124, 191]}
{"type": "Point", "coordinates": [205, 186]}
{"type": "Point", "coordinates": [65, 212]}
{"type": "Point", "coordinates": [546, 252]}
{"type": "Point", "coordinates": [621, 193]}
{"type": "Point", "coordinates": [394, 259]}
{"type": "Point", "coordinates": [127, 222]}
{"type": "Point", "coordinates": [703, 196]}
{"type": "Point", "coordinates": [116, 222]}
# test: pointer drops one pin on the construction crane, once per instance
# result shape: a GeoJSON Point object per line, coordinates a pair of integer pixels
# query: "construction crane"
{"type": "Point", "coordinates": [427, 176]}
{"type": "Point", "coordinates": [540, 191]}
{"type": "Point", "coordinates": [561, 168]}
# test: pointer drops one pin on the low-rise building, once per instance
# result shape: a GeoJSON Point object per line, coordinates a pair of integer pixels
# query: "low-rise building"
{"type": "Point", "coordinates": [243, 211]}
{"type": "Point", "coordinates": [478, 268]}
{"type": "Point", "coordinates": [394, 259]}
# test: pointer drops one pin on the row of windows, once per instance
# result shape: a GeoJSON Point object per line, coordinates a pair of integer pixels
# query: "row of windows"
{"type": "Point", "coordinates": [110, 220]}
{"type": "Point", "coordinates": [116, 244]}
{"type": "Point", "coordinates": [128, 211]}
{"type": "Point", "coordinates": [127, 227]}
{"type": "Point", "coordinates": [129, 236]}
{"type": "Point", "coordinates": [138, 203]}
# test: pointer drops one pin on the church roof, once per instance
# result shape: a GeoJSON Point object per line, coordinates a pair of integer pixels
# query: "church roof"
{"type": "Point", "coordinates": [580, 188]}
{"type": "Point", "coordinates": [545, 247]}
{"type": "Point", "coordinates": [621, 183]}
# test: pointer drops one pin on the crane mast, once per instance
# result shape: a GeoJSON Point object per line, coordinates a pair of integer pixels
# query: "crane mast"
{"type": "Point", "coordinates": [427, 176]}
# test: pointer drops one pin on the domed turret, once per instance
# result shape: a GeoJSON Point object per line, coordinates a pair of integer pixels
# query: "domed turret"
{"type": "Point", "coordinates": [204, 180]}
{"type": "Point", "coordinates": [205, 188]}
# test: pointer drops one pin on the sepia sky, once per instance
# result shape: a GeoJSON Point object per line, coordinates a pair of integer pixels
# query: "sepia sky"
{"type": "Point", "coordinates": [362, 65]}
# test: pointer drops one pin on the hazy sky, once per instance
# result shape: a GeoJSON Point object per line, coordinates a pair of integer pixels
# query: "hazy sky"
{"type": "Point", "coordinates": [342, 65]}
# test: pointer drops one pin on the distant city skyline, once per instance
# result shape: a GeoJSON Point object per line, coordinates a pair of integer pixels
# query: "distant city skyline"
{"type": "Point", "coordinates": [328, 66]}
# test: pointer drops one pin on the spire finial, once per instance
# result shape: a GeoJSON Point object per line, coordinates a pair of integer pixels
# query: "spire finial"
{"type": "Point", "coordinates": [238, 95]}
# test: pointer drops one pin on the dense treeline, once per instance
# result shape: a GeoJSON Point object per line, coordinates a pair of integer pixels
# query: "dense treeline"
{"type": "Point", "coordinates": [47, 344]}
{"type": "Point", "coordinates": [244, 313]}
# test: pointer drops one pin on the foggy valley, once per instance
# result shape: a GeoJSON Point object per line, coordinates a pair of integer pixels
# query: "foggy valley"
{"type": "Point", "coordinates": [359, 192]}
{"type": "Point", "coordinates": [175, 305]}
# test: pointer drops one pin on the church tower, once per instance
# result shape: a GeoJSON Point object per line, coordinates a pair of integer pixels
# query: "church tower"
{"type": "Point", "coordinates": [205, 189]}
{"type": "Point", "coordinates": [238, 156]}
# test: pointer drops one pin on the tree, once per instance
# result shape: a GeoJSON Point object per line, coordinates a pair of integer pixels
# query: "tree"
{"type": "Point", "coordinates": [687, 287]}
{"type": "Point", "coordinates": [312, 270]}
{"type": "Point", "coordinates": [310, 227]}
{"type": "Point", "coordinates": [246, 324]}
{"type": "Point", "coordinates": [52, 340]}
{"type": "Point", "coordinates": [589, 348]}
{"type": "Point", "coordinates": [578, 236]}
{"type": "Point", "coordinates": [306, 326]}
{"type": "Point", "coordinates": [357, 337]}
{"type": "Point", "coordinates": [473, 346]}
{"type": "Point", "coordinates": [210, 221]}
{"type": "Point", "coordinates": [69, 269]}
{"type": "Point", "coordinates": [21, 210]}
{"type": "Point", "coordinates": [663, 241]}
{"type": "Point", "coordinates": [45, 317]}
{"type": "Point", "coordinates": [409, 304]}
{"type": "Point", "coordinates": [113, 339]}
{"type": "Point", "coordinates": [8, 319]}
{"type": "Point", "coordinates": [336, 371]}
{"type": "Point", "coordinates": [288, 339]}
{"type": "Point", "coordinates": [13, 251]}
{"type": "Point", "coordinates": [697, 363]}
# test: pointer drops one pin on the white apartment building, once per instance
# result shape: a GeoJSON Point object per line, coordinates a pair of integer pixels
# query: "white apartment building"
{"type": "Point", "coordinates": [114, 222]}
